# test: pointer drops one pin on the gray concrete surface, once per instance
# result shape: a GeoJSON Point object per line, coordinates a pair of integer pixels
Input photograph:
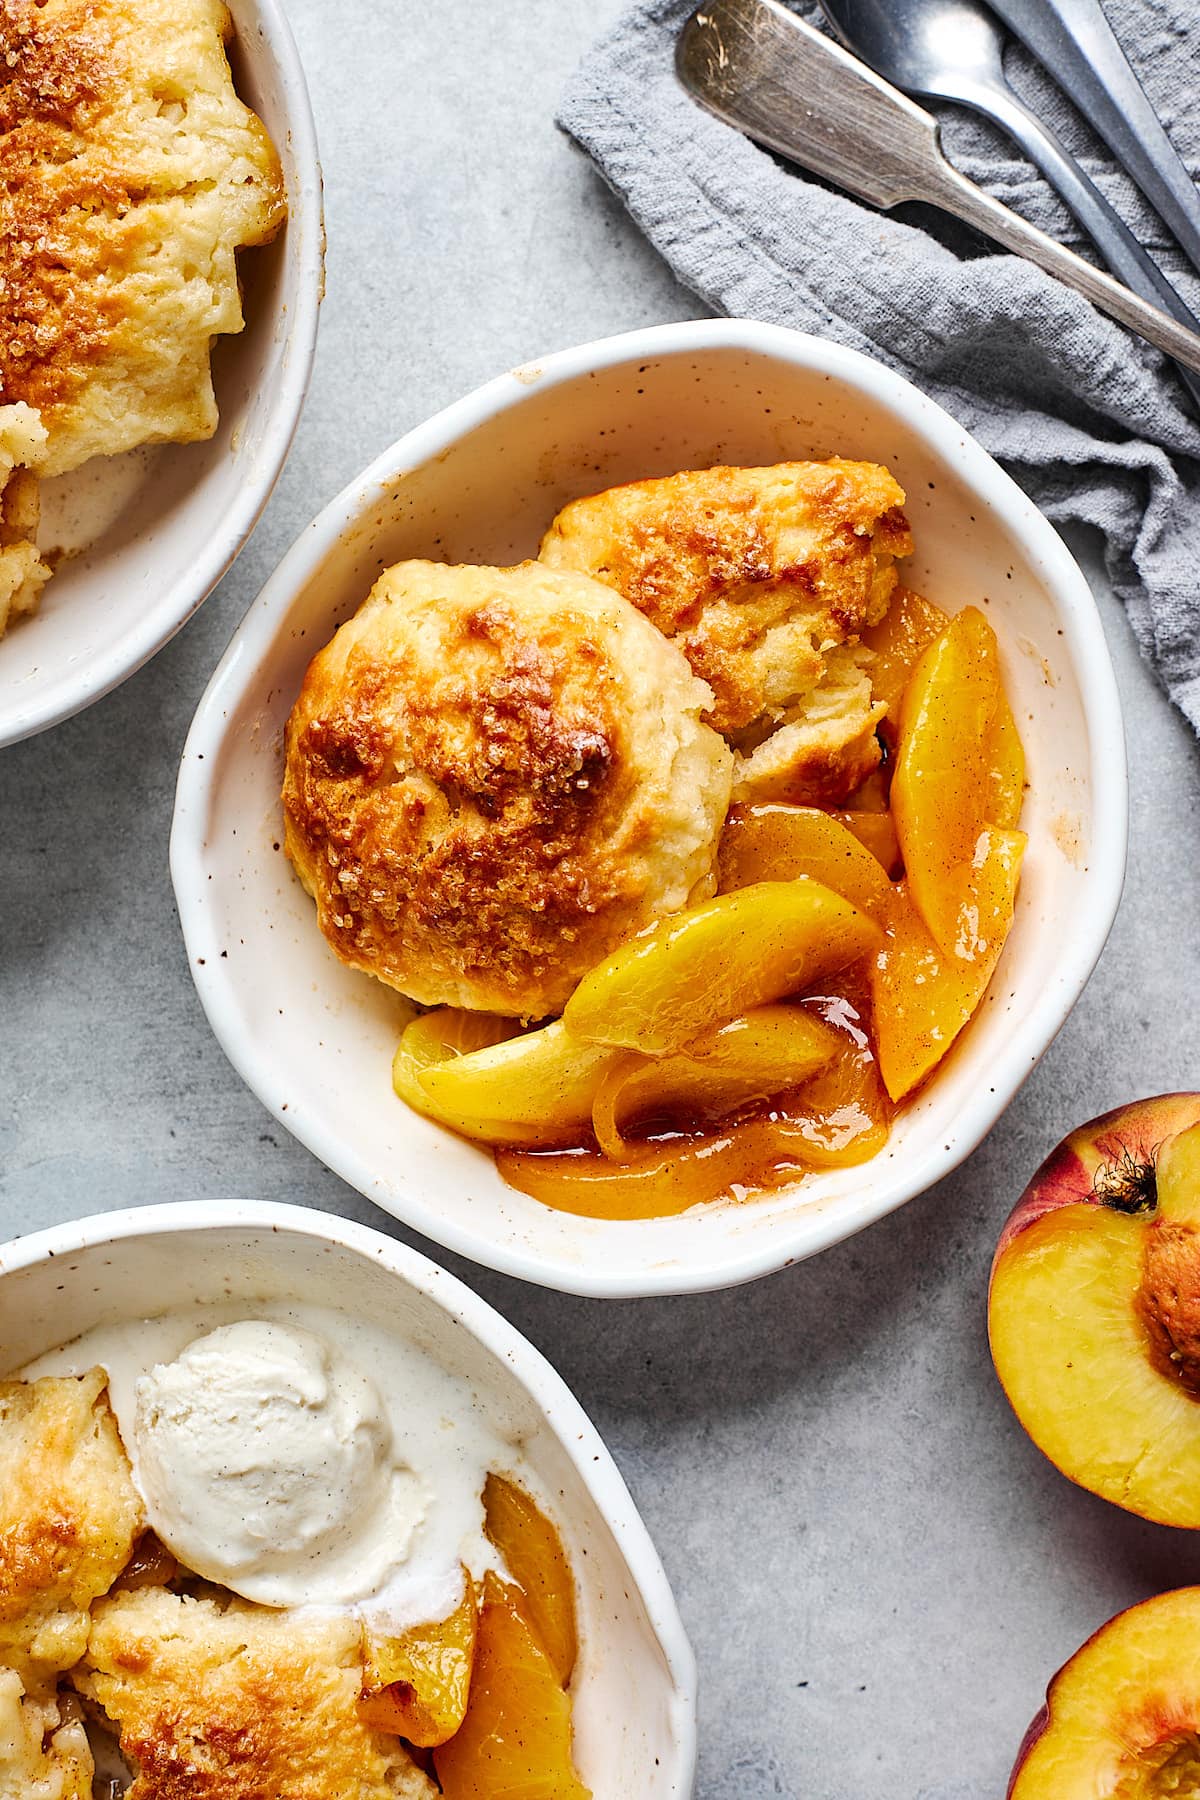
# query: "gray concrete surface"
{"type": "Point", "coordinates": [877, 1570]}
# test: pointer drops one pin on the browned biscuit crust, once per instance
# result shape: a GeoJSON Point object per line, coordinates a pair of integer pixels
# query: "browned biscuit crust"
{"type": "Point", "coordinates": [761, 575]}
{"type": "Point", "coordinates": [493, 776]}
{"type": "Point", "coordinates": [68, 1517]}
{"type": "Point", "coordinates": [130, 173]}
{"type": "Point", "coordinates": [240, 1703]}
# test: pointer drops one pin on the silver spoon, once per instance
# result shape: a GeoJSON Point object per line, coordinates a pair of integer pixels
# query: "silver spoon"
{"type": "Point", "coordinates": [953, 50]}
{"type": "Point", "coordinates": [1074, 40]}
{"type": "Point", "coordinates": [765, 72]}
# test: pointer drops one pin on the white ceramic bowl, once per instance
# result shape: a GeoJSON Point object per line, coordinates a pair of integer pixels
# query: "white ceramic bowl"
{"type": "Point", "coordinates": [479, 483]}
{"type": "Point", "coordinates": [154, 530]}
{"type": "Point", "coordinates": [635, 1684]}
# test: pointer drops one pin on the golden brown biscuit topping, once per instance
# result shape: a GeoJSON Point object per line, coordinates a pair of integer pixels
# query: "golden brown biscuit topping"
{"type": "Point", "coordinates": [129, 172]}
{"type": "Point", "coordinates": [493, 775]}
{"type": "Point", "coordinates": [68, 1518]}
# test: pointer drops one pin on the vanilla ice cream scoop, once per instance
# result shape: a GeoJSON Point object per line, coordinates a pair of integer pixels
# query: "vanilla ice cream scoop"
{"type": "Point", "coordinates": [266, 1462]}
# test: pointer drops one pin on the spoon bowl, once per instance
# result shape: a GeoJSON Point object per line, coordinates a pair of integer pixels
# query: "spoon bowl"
{"type": "Point", "coordinates": [925, 46]}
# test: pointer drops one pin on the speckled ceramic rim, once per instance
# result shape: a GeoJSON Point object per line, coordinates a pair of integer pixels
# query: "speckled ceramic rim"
{"type": "Point", "coordinates": [296, 324]}
{"type": "Point", "coordinates": [575, 1432]}
{"type": "Point", "coordinates": [1083, 631]}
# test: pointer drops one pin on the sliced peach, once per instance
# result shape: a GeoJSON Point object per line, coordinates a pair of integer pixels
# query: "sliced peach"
{"type": "Point", "coordinates": [771, 841]}
{"type": "Point", "coordinates": [655, 1183]}
{"type": "Point", "coordinates": [842, 1116]}
{"type": "Point", "coordinates": [923, 997]}
{"type": "Point", "coordinates": [515, 1742]}
{"type": "Point", "coordinates": [766, 1052]}
{"type": "Point", "coordinates": [533, 1554]}
{"type": "Point", "coordinates": [535, 1088]}
{"type": "Point", "coordinates": [876, 831]}
{"type": "Point", "coordinates": [1122, 1718]}
{"type": "Point", "coordinates": [434, 1037]}
{"type": "Point", "coordinates": [664, 1178]}
{"type": "Point", "coordinates": [909, 625]}
{"type": "Point", "coordinates": [715, 962]}
{"type": "Point", "coordinates": [959, 769]}
{"type": "Point", "coordinates": [1005, 759]}
{"type": "Point", "coordinates": [1094, 1309]}
{"type": "Point", "coordinates": [417, 1684]}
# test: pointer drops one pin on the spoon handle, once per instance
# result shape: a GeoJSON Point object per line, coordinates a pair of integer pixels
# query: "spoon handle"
{"type": "Point", "coordinates": [1075, 43]}
{"type": "Point", "coordinates": [762, 69]}
{"type": "Point", "coordinates": [955, 194]}
{"type": "Point", "coordinates": [1107, 230]}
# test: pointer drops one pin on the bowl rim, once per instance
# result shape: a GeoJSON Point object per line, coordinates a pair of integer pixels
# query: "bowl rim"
{"type": "Point", "coordinates": [1100, 702]}
{"type": "Point", "coordinates": [578, 1437]}
{"type": "Point", "coordinates": [231, 531]}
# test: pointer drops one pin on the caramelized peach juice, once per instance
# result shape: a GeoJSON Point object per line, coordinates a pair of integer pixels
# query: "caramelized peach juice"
{"type": "Point", "coordinates": [775, 1029]}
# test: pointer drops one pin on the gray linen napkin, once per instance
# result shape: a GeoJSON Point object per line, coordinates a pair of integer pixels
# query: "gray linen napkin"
{"type": "Point", "coordinates": [1089, 420]}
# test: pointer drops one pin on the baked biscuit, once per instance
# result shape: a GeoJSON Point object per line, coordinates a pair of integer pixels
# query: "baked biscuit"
{"type": "Point", "coordinates": [241, 1703]}
{"type": "Point", "coordinates": [495, 776]}
{"type": "Point", "coordinates": [43, 1756]}
{"type": "Point", "coordinates": [23, 574]}
{"type": "Point", "coordinates": [130, 173]}
{"type": "Point", "coordinates": [759, 575]}
{"type": "Point", "coordinates": [824, 746]}
{"type": "Point", "coordinates": [68, 1517]}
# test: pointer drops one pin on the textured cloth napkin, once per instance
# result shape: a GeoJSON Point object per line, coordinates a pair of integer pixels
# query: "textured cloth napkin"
{"type": "Point", "coordinates": [1089, 420]}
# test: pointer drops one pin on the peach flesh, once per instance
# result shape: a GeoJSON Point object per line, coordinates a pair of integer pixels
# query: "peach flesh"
{"type": "Point", "coordinates": [1122, 1717]}
{"type": "Point", "coordinates": [1094, 1308]}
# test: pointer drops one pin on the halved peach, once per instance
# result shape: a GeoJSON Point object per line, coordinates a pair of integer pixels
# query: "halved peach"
{"type": "Point", "coordinates": [1122, 1718]}
{"type": "Point", "coordinates": [713, 963]}
{"type": "Point", "coordinates": [515, 1742]}
{"type": "Point", "coordinates": [1094, 1308]}
{"type": "Point", "coordinates": [534, 1557]}
{"type": "Point", "coordinates": [417, 1683]}
{"type": "Point", "coordinates": [772, 841]}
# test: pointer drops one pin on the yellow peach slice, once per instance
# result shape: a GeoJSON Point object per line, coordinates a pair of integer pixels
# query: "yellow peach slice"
{"type": "Point", "coordinates": [1122, 1718]}
{"type": "Point", "coordinates": [660, 1181]}
{"type": "Point", "coordinates": [435, 1037]}
{"type": "Point", "coordinates": [910, 624]}
{"type": "Point", "coordinates": [417, 1684]}
{"type": "Point", "coordinates": [663, 1179]}
{"type": "Point", "coordinates": [766, 1052]}
{"type": "Point", "coordinates": [842, 1116]}
{"type": "Point", "coordinates": [959, 769]}
{"type": "Point", "coordinates": [515, 1742]}
{"type": "Point", "coordinates": [704, 967]}
{"type": "Point", "coordinates": [922, 998]}
{"type": "Point", "coordinates": [876, 831]}
{"type": "Point", "coordinates": [1005, 762]}
{"type": "Point", "coordinates": [532, 1089]}
{"type": "Point", "coordinates": [533, 1554]}
{"type": "Point", "coordinates": [775, 842]}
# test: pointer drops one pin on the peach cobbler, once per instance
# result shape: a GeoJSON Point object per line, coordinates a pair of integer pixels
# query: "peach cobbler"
{"type": "Point", "coordinates": [130, 176]}
{"type": "Point", "coordinates": [697, 836]}
{"type": "Point", "coordinates": [419, 1634]}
